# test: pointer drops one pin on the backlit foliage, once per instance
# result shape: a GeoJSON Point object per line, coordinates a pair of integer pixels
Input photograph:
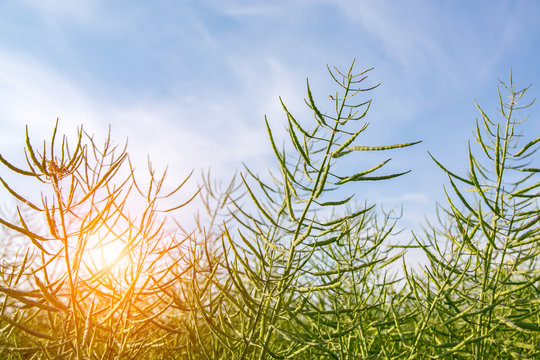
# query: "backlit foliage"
{"type": "Point", "coordinates": [95, 265]}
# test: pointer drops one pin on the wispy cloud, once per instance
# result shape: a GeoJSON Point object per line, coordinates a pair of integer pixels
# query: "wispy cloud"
{"type": "Point", "coordinates": [242, 8]}
{"type": "Point", "coordinates": [190, 131]}
{"type": "Point", "coordinates": [190, 83]}
{"type": "Point", "coordinates": [53, 11]}
{"type": "Point", "coordinates": [31, 92]}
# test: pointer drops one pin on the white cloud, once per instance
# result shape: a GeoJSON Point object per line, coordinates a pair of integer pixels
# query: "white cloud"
{"type": "Point", "coordinates": [59, 10]}
{"type": "Point", "coordinates": [242, 8]}
{"type": "Point", "coordinates": [32, 93]}
{"type": "Point", "coordinates": [446, 45]}
{"type": "Point", "coordinates": [185, 132]}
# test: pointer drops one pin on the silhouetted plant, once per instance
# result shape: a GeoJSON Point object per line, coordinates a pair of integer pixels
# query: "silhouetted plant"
{"type": "Point", "coordinates": [68, 295]}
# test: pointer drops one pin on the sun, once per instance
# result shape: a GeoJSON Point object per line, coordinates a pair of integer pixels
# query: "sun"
{"type": "Point", "coordinates": [106, 252]}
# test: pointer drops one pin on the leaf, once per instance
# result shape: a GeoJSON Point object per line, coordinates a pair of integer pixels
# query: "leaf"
{"type": "Point", "coordinates": [19, 197]}
{"type": "Point", "coordinates": [33, 237]}
{"type": "Point", "coordinates": [378, 178]}
{"type": "Point", "coordinates": [331, 285]}
{"type": "Point", "coordinates": [526, 147]}
{"type": "Point", "coordinates": [340, 270]}
{"type": "Point", "coordinates": [382, 148]}
{"type": "Point", "coordinates": [33, 155]}
{"type": "Point", "coordinates": [337, 153]}
{"type": "Point", "coordinates": [322, 180]}
{"type": "Point", "coordinates": [297, 145]}
{"type": "Point", "coordinates": [335, 203]}
{"type": "Point", "coordinates": [279, 156]}
{"type": "Point", "coordinates": [449, 172]}
{"type": "Point", "coordinates": [319, 116]}
{"type": "Point", "coordinates": [15, 169]}
{"type": "Point", "coordinates": [28, 330]}
{"type": "Point", "coordinates": [296, 124]}
{"type": "Point", "coordinates": [359, 176]}
{"type": "Point", "coordinates": [351, 216]}
{"type": "Point", "coordinates": [105, 178]}
{"type": "Point", "coordinates": [258, 204]}
{"type": "Point", "coordinates": [498, 164]}
{"type": "Point", "coordinates": [520, 325]}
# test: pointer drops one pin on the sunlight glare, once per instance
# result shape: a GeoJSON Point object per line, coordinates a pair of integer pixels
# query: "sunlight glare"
{"type": "Point", "coordinates": [108, 251]}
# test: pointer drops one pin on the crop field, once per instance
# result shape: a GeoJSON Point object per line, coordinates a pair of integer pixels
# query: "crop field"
{"type": "Point", "coordinates": [94, 264]}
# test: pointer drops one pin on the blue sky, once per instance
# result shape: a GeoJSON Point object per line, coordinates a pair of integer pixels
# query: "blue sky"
{"type": "Point", "coordinates": [189, 82]}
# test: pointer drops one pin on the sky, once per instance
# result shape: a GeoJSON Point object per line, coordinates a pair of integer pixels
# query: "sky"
{"type": "Point", "coordinates": [189, 82]}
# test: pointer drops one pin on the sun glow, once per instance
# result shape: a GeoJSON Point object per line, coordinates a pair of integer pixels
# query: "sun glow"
{"type": "Point", "coordinates": [107, 252]}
